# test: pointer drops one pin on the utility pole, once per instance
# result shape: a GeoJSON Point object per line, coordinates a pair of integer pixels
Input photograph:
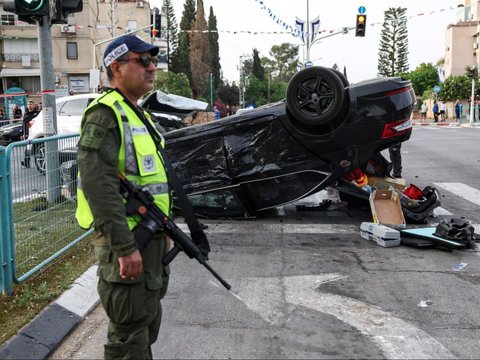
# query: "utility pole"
{"type": "Point", "coordinates": [308, 32]}
{"type": "Point", "coordinates": [474, 75]}
{"type": "Point", "coordinates": [49, 110]}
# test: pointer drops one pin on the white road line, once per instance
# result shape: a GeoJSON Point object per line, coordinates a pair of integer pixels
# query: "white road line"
{"type": "Point", "coordinates": [253, 227]}
{"type": "Point", "coordinates": [276, 298]}
{"type": "Point", "coordinates": [462, 190]}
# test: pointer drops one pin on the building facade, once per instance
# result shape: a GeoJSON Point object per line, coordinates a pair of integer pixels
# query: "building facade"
{"type": "Point", "coordinates": [462, 43]}
{"type": "Point", "coordinates": [77, 47]}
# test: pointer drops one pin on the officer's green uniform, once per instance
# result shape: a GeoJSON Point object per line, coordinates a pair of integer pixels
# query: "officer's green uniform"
{"type": "Point", "coordinates": [109, 127]}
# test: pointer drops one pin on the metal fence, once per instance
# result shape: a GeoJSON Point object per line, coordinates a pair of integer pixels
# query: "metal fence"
{"type": "Point", "coordinates": [38, 201]}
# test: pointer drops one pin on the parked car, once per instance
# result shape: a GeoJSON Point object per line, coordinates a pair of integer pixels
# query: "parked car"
{"type": "Point", "coordinates": [167, 110]}
{"type": "Point", "coordinates": [69, 115]}
{"type": "Point", "coordinates": [10, 133]}
{"type": "Point", "coordinates": [282, 152]}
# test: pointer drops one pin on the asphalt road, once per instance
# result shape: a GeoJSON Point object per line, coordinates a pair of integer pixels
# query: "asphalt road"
{"type": "Point", "coordinates": [306, 285]}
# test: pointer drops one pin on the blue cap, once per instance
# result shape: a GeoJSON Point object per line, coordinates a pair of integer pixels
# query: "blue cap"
{"type": "Point", "coordinates": [126, 43]}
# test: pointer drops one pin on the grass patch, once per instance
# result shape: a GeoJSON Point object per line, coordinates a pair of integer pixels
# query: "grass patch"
{"type": "Point", "coordinates": [38, 291]}
{"type": "Point", "coordinates": [41, 229]}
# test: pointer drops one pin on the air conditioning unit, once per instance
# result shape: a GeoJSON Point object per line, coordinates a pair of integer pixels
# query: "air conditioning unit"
{"type": "Point", "coordinates": [68, 29]}
{"type": "Point", "coordinates": [140, 4]}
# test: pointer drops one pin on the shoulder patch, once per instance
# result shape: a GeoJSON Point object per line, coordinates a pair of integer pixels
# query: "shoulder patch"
{"type": "Point", "coordinates": [92, 136]}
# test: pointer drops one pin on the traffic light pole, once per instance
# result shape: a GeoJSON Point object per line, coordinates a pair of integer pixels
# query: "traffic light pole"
{"type": "Point", "coordinates": [49, 109]}
{"type": "Point", "coordinates": [472, 102]}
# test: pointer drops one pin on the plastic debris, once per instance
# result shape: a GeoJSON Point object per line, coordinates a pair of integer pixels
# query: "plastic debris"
{"type": "Point", "coordinates": [459, 266]}
{"type": "Point", "coordinates": [425, 303]}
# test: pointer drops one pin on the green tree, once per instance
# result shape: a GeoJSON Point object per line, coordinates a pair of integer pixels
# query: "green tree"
{"type": "Point", "coordinates": [393, 53]}
{"type": "Point", "coordinates": [257, 68]}
{"type": "Point", "coordinates": [181, 56]}
{"type": "Point", "coordinates": [228, 94]}
{"type": "Point", "coordinates": [214, 49]}
{"type": "Point", "coordinates": [171, 31]}
{"type": "Point", "coordinates": [199, 53]}
{"type": "Point", "coordinates": [255, 93]}
{"type": "Point", "coordinates": [457, 87]}
{"type": "Point", "coordinates": [423, 78]}
{"type": "Point", "coordinates": [172, 83]}
{"type": "Point", "coordinates": [284, 59]}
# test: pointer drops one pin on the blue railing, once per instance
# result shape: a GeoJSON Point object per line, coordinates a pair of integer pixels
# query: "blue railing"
{"type": "Point", "coordinates": [37, 205]}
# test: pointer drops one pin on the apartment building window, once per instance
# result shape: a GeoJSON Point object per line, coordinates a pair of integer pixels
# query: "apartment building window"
{"type": "Point", "coordinates": [7, 19]}
{"type": "Point", "coordinates": [72, 51]}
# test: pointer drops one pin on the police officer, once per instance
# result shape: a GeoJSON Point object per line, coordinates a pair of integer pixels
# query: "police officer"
{"type": "Point", "coordinates": [115, 140]}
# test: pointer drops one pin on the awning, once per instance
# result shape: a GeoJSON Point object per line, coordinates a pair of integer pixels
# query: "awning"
{"type": "Point", "coordinates": [19, 72]}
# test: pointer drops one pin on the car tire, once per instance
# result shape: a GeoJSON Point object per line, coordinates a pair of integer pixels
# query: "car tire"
{"type": "Point", "coordinates": [39, 153]}
{"type": "Point", "coordinates": [315, 96]}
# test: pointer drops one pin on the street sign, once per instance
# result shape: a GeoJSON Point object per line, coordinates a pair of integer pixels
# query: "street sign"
{"type": "Point", "coordinates": [436, 88]}
{"type": "Point", "coordinates": [361, 10]}
{"type": "Point", "coordinates": [308, 64]}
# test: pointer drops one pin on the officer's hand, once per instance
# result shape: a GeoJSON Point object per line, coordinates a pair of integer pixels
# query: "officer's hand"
{"type": "Point", "coordinates": [131, 265]}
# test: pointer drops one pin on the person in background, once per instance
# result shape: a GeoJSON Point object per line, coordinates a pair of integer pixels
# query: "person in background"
{"type": "Point", "coordinates": [423, 112]}
{"type": "Point", "coordinates": [3, 117]}
{"type": "Point", "coordinates": [30, 114]}
{"type": "Point", "coordinates": [229, 111]}
{"type": "Point", "coordinates": [457, 110]}
{"type": "Point", "coordinates": [395, 152]}
{"type": "Point", "coordinates": [113, 128]}
{"type": "Point", "coordinates": [17, 112]}
{"type": "Point", "coordinates": [443, 111]}
{"type": "Point", "coordinates": [435, 112]}
{"type": "Point", "coordinates": [216, 113]}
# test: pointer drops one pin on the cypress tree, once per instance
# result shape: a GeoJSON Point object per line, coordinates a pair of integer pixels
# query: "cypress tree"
{"type": "Point", "coordinates": [214, 48]}
{"type": "Point", "coordinates": [200, 60]}
{"type": "Point", "coordinates": [171, 31]}
{"type": "Point", "coordinates": [182, 64]}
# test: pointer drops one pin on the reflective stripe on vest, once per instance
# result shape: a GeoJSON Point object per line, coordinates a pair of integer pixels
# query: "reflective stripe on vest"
{"type": "Point", "coordinates": [138, 159]}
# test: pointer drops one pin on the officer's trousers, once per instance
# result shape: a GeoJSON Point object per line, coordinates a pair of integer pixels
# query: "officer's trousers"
{"type": "Point", "coordinates": [134, 309]}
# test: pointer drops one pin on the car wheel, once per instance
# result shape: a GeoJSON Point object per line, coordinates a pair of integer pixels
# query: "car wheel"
{"type": "Point", "coordinates": [40, 158]}
{"type": "Point", "coordinates": [315, 95]}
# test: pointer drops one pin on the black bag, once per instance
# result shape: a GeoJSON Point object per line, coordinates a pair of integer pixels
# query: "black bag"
{"type": "Point", "coordinates": [457, 229]}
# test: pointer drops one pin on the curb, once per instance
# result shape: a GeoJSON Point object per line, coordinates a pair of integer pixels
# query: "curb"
{"type": "Point", "coordinates": [445, 124]}
{"type": "Point", "coordinates": [44, 333]}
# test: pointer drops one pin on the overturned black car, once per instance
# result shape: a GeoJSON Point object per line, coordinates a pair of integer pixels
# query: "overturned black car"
{"type": "Point", "coordinates": [283, 152]}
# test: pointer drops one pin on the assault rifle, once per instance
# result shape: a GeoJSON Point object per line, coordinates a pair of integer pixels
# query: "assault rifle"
{"type": "Point", "coordinates": [140, 202]}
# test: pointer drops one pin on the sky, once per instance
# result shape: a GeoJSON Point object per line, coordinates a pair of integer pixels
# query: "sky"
{"type": "Point", "coordinates": [247, 24]}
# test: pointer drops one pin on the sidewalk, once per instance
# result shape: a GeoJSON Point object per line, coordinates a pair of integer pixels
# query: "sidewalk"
{"type": "Point", "coordinates": [45, 333]}
{"type": "Point", "coordinates": [447, 122]}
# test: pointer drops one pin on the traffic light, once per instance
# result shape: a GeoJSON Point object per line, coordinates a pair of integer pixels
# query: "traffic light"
{"type": "Point", "coordinates": [473, 72]}
{"type": "Point", "coordinates": [361, 25]}
{"type": "Point", "coordinates": [65, 7]}
{"type": "Point", "coordinates": [27, 10]}
{"type": "Point", "coordinates": [155, 18]}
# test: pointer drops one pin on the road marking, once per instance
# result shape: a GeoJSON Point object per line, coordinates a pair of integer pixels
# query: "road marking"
{"type": "Point", "coordinates": [278, 228]}
{"type": "Point", "coordinates": [276, 298]}
{"type": "Point", "coordinates": [467, 192]}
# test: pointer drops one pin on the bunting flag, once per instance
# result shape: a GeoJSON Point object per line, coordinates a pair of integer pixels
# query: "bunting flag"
{"type": "Point", "coordinates": [315, 27]}
{"type": "Point", "coordinates": [299, 25]}
{"type": "Point", "coordinates": [298, 30]}
{"type": "Point", "coordinates": [315, 30]}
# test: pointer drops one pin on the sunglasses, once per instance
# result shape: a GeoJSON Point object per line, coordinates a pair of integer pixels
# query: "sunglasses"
{"type": "Point", "coordinates": [144, 60]}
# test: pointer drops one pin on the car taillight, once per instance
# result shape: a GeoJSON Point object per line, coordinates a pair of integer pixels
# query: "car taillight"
{"type": "Point", "coordinates": [396, 128]}
{"type": "Point", "coordinates": [398, 91]}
